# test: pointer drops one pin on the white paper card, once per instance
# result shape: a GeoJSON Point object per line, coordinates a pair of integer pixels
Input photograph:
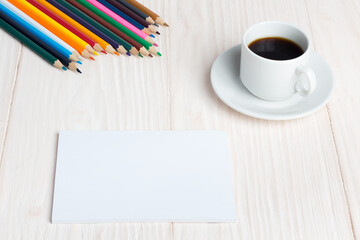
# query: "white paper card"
{"type": "Point", "coordinates": [156, 176]}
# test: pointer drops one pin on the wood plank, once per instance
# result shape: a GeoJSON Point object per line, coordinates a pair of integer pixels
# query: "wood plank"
{"type": "Point", "coordinates": [337, 35]}
{"type": "Point", "coordinates": [34, 231]}
{"type": "Point", "coordinates": [113, 93]}
{"type": "Point", "coordinates": [287, 179]}
{"type": "Point", "coordinates": [8, 66]}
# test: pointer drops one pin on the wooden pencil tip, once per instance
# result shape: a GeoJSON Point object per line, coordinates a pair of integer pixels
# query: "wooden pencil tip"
{"type": "Point", "coordinates": [79, 62]}
{"type": "Point", "coordinates": [149, 40]}
{"type": "Point", "coordinates": [103, 51]}
{"type": "Point", "coordinates": [116, 53]}
{"type": "Point", "coordinates": [152, 28]}
{"type": "Point", "coordinates": [72, 66]}
{"type": "Point", "coordinates": [152, 36]}
{"type": "Point", "coordinates": [92, 58]}
{"type": "Point", "coordinates": [64, 68]}
{"type": "Point", "coordinates": [128, 53]}
{"type": "Point", "coordinates": [150, 20]}
{"type": "Point", "coordinates": [73, 58]}
{"type": "Point", "coordinates": [156, 44]}
{"type": "Point", "coordinates": [141, 55]}
{"type": "Point", "coordinates": [97, 47]}
{"type": "Point", "coordinates": [96, 53]}
{"type": "Point", "coordinates": [146, 30]}
{"type": "Point", "coordinates": [158, 53]}
{"type": "Point", "coordinates": [89, 49]}
{"type": "Point", "coordinates": [109, 49]}
{"type": "Point", "coordinates": [158, 33]}
{"type": "Point", "coordinates": [76, 53]}
{"type": "Point", "coordinates": [160, 21]}
{"type": "Point", "coordinates": [144, 52]}
{"type": "Point", "coordinates": [78, 70]}
{"type": "Point", "coordinates": [121, 50]}
{"type": "Point", "coordinates": [151, 55]}
{"type": "Point", "coordinates": [134, 51]}
{"type": "Point", "coordinates": [85, 54]}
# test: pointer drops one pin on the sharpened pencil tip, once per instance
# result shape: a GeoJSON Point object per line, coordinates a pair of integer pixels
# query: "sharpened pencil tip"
{"type": "Point", "coordinates": [151, 55]}
{"type": "Point", "coordinates": [78, 70]}
{"type": "Point", "coordinates": [156, 44]}
{"type": "Point", "coordinates": [158, 32]}
{"type": "Point", "coordinates": [64, 68]}
{"type": "Point", "coordinates": [167, 25]}
{"type": "Point", "coordinates": [152, 36]}
{"type": "Point", "coordinates": [159, 54]}
{"type": "Point", "coordinates": [141, 55]}
{"type": "Point", "coordinates": [103, 51]}
{"type": "Point", "coordinates": [92, 58]}
{"type": "Point", "coordinates": [96, 53]}
{"type": "Point", "coordinates": [116, 53]}
{"type": "Point", "coordinates": [156, 24]}
{"type": "Point", "coordinates": [79, 62]}
{"type": "Point", "coordinates": [128, 53]}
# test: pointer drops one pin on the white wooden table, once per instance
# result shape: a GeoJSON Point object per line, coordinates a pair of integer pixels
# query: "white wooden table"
{"type": "Point", "coordinates": [293, 179]}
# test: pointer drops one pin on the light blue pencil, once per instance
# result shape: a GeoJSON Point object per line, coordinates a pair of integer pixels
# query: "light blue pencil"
{"type": "Point", "coordinates": [63, 51]}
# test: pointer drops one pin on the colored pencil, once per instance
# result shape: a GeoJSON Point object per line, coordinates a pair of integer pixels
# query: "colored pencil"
{"type": "Point", "coordinates": [39, 27]}
{"type": "Point", "coordinates": [46, 8]}
{"type": "Point", "coordinates": [32, 30]}
{"type": "Point", "coordinates": [60, 31]}
{"type": "Point", "coordinates": [32, 45]}
{"type": "Point", "coordinates": [81, 46]}
{"type": "Point", "coordinates": [131, 45]}
{"type": "Point", "coordinates": [152, 28]}
{"type": "Point", "coordinates": [147, 11]}
{"type": "Point", "coordinates": [122, 28]}
{"type": "Point", "coordinates": [137, 11]}
{"type": "Point", "coordinates": [114, 43]}
{"type": "Point", "coordinates": [125, 16]}
{"type": "Point", "coordinates": [122, 21]}
{"type": "Point", "coordinates": [65, 61]}
{"type": "Point", "coordinates": [71, 18]}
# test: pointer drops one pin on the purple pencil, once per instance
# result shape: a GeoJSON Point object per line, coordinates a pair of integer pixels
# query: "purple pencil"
{"type": "Point", "coordinates": [89, 26]}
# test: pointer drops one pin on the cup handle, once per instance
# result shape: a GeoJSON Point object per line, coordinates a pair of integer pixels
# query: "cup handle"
{"type": "Point", "coordinates": [306, 81]}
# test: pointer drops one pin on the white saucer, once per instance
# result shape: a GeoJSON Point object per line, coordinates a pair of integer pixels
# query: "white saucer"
{"type": "Point", "coordinates": [225, 79]}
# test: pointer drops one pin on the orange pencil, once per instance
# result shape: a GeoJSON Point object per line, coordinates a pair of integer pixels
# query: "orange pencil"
{"type": "Point", "coordinates": [77, 43]}
{"type": "Point", "coordinates": [101, 43]}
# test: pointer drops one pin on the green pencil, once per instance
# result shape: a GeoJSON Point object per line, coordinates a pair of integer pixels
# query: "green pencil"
{"type": "Point", "coordinates": [32, 45]}
{"type": "Point", "coordinates": [96, 25]}
{"type": "Point", "coordinates": [122, 28]}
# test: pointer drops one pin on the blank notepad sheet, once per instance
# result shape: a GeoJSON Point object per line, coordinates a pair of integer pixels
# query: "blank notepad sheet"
{"type": "Point", "coordinates": [143, 176]}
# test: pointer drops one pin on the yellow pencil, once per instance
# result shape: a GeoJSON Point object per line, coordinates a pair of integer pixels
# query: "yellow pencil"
{"type": "Point", "coordinates": [100, 42]}
{"type": "Point", "coordinates": [77, 43]}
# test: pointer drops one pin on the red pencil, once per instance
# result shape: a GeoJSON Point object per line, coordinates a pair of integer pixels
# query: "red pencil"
{"type": "Point", "coordinates": [66, 25]}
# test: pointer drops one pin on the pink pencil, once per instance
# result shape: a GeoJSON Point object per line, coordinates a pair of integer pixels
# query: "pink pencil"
{"type": "Point", "coordinates": [122, 21]}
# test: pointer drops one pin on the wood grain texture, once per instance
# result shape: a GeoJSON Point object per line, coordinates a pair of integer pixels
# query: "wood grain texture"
{"type": "Point", "coordinates": [336, 34]}
{"type": "Point", "coordinates": [289, 176]}
{"type": "Point", "coordinates": [114, 93]}
{"type": "Point", "coordinates": [8, 74]}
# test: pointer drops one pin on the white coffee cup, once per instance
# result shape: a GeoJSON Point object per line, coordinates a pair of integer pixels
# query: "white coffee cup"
{"type": "Point", "coordinates": [276, 79]}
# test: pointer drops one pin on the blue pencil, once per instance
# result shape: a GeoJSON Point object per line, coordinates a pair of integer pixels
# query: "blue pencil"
{"type": "Point", "coordinates": [33, 30]}
{"type": "Point", "coordinates": [65, 61]}
{"type": "Point", "coordinates": [125, 16]}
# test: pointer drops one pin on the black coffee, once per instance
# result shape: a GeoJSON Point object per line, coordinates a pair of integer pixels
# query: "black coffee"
{"type": "Point", "coordinates": [276, 48]}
